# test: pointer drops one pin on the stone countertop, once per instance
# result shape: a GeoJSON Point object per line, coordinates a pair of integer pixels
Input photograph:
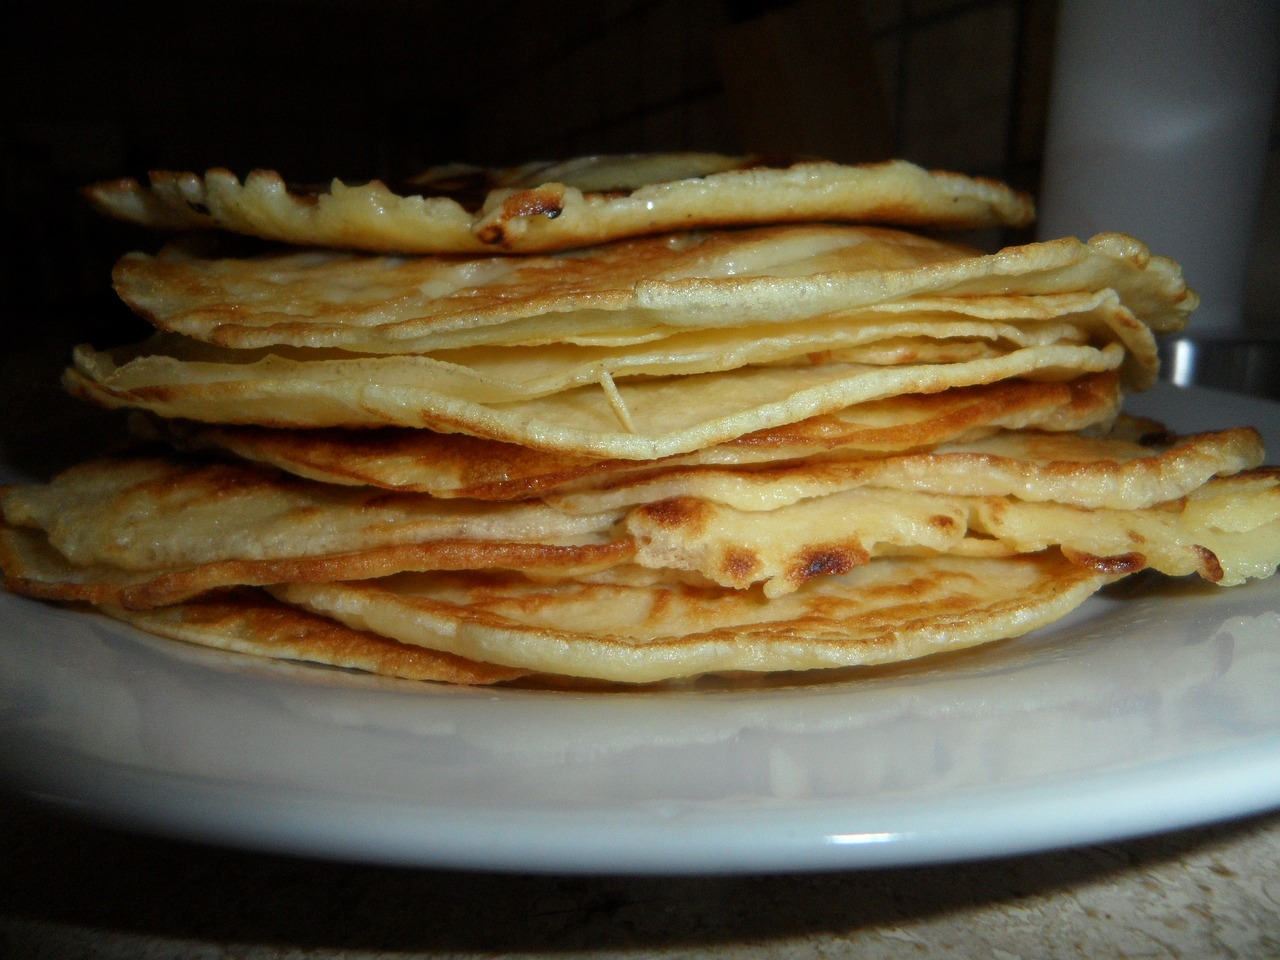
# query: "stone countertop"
{"type": "Point", "coordinates": [70, 889]}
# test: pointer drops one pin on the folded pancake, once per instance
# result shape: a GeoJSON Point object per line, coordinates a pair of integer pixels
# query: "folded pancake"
{"type": "Point", "coordinates": [456, 465]}
{"type": "Point", "coordinates": [437, 302]}
{"type": "Point", "coordinates": [628, 626]}
{"type": "Point", "coordinates": [1227, 531]}
{"type": "Point", "coordinates": [551, 206]}
{"type": "Point", "coordinates": [144, 511]}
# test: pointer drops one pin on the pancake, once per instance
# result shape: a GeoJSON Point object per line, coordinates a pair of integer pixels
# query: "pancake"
{"type": "Point", "coordinates": [143, 513]}
{"type": "Point", "coordinates": [257, 625]}
{"type": "Point", "coordinates": [827, 288]}
{"type": "Point", "coordinates": [1111, 471]}
{"type": "Point", "coordinates": [634, 625]}
{"type": "Point", "coordinates": [629, 627]}
{"type": "Point", "coordinates": [457, 209]}
{"type": "Point", "coordinates": [493, 375]}
{"type": "Point", "coordinates": [641, 419]}
{"type": "Point", "coordinates": [456, 465]}
{"type": "Point", "coordinates": [627, 420]}
{"type": "Point", "coordinates": [439, 302]}
{"type": "Point", "coordinates": [31, 566]}
{"type": "Point", "coordinates": [146, 530]}
{"type": "Point", "coordinates": [1226, 531]}
{"type": "Point", "coordinates": [731, 333]}
{"type": "Point", "coordinates": [644, 627]}
{"type": "Point", "coordinates": [791, 545]}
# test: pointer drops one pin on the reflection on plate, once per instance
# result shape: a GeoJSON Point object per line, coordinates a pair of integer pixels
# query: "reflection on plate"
{"type": "Point", "coordinates": [1152, 707]}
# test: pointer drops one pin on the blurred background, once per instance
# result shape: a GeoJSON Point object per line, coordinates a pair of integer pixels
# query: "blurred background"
{"type": "Point", "coordinates": [380, 88]}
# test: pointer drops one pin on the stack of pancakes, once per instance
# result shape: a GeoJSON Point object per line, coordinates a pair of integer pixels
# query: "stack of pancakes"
{"type": "Point", "coordinates": [627, 420]}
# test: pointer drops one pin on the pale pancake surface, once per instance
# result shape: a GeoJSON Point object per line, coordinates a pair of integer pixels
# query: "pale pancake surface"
{"type": "Point", "coordinates": [730, 333]}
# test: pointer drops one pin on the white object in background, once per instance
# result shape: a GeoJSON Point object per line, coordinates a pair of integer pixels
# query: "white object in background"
{"type": "Point", "coordinates": [1159, 121]}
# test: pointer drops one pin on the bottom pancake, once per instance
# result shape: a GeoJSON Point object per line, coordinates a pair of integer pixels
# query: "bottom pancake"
{"type": "Point", "coordinates": [252, 623]}
{"type": "Point", "coordinates": [632, 625]}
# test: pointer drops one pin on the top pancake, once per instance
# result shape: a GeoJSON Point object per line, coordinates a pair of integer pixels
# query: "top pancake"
{"type": "Point", "coordinates": [542, 207]}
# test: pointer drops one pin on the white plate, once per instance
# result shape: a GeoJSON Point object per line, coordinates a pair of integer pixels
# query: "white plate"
{"type": "Point", "coordinates": [1148, 710]}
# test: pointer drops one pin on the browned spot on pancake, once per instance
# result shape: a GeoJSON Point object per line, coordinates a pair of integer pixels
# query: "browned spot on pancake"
{"type": "Point", "coordinates": [943, 522]}
{"type": "Point", "coordinates": [740, 564]}
{"type": "Point", "coordinates": [1118, 564]}
{"type": "Point", "coordinates": [828, 560]}
{"type": "Point", "coordinates": [685, 513]}
{"type": "Point", "coordinates": [544, 201]}
{"type": "Point", "coordinates": [1210, 566]}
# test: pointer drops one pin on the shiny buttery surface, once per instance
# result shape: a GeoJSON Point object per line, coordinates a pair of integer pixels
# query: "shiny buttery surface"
{"type": "Point", "coordinates": [1152, 708]}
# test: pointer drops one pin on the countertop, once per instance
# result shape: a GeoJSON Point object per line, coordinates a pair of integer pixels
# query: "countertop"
{"type": "Point", "coordinates": [71, 889]}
